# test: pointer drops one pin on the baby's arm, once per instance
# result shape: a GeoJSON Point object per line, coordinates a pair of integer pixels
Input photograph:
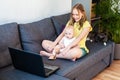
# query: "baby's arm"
{"type": "Point", "coordinates": [56, 49]}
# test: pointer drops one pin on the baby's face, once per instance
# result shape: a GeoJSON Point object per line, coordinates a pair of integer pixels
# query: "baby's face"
{"type": "Point", "coordinates": [69, 33]}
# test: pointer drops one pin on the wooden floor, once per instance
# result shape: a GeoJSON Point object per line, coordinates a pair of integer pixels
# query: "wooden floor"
{"type": "Point", "coordinates": [110, 73]}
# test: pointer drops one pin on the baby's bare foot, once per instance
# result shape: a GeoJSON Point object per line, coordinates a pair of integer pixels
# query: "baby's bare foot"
{"type": "Point", "coordinates": [52, 57]}
{"type": "Point", "coordinates": [74, 59]}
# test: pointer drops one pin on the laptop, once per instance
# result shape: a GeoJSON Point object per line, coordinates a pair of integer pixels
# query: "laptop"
{"type": "Point", "coordinates": [31, 62]}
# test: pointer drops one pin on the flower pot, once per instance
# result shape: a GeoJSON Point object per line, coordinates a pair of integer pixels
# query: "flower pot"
{"type": "Point", "coordinates": [117, 51]}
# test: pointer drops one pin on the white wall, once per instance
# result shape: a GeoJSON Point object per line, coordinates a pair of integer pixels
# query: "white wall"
{"type": "Point", "coordinates": [25, 11]}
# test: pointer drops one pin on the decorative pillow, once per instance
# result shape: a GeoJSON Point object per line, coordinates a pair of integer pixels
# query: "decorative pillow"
{"type": "Point", "coordinates": [60, 21]}
{"type": "Point", "coordinates": [9, 37]}
{"type": "Point", "coordinates": [32, 34]}
{"type": "Point", "coordinates": [59, 27]}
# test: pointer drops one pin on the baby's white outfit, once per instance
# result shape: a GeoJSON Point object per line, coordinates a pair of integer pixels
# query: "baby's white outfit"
{"type": "Point", "coordinates": [67, 41]}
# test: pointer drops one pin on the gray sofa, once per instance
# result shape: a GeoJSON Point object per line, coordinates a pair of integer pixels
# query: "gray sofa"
{"type": "Point", "coordinates": [29, 37]}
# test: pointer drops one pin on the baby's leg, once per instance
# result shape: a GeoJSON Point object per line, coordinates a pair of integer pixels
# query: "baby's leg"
{"type": "Point", "coordinates": [57, 49]}
{"type": "Point", "coordinates": [53, 56]}
{"type": "Point", "coordinates": [55, 52]}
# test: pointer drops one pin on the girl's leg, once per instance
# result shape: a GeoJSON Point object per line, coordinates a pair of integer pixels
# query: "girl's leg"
{"type": "Point", "coordinates": [44, 53]}
{"type": "Point", "coordinates": [72, 54]}
{"type": "Point", "coordinates": [46, 44]}
{"type": "Point", "coordinates": [51, 56]}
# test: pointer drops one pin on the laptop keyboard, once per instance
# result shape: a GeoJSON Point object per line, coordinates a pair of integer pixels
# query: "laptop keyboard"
{"type": "Point", "coordinates": [51, 67]}
{"type": "Point", "coordinates": [47, 70]}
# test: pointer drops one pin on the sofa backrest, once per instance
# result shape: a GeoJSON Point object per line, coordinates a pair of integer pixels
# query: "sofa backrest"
{"type": "Point", "coordinates": [29, 35]}
{"type": "Point", "coordinates": [32, 34]}
{"type": "Point", "coordinates": [60, 22]}
{"type": "Point", "coordinates": [9, 37]}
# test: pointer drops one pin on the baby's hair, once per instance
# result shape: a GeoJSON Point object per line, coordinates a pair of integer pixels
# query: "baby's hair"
{"type": "Point", "coordinates": [70, 27]}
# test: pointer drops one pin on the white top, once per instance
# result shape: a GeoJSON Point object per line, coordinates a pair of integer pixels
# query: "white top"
{"type": "Point", "coordinates": [67, 41]}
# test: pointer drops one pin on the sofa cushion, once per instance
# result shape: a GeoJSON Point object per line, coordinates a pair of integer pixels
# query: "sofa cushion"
{"type": "Point", "coordinates": [32, 34]}
{"type": "Point", "coordinates": [9, 37]}
{"type": "Point", "coordinates": [97, 53]}
{"type": "Point", "coordinates": [60, 22]}
{"type": "Point", "coordinates": [13, 74]}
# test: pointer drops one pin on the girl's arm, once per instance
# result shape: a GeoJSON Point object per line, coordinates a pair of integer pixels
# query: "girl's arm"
{"type": "Point", "coordinates": [61, 43]}
{"type": "Point", "coordinates": [84, 33]}
{"type": "Point", "coordinates": [77, 40]}
{"type": "Point", "coordinates": [59, 37]}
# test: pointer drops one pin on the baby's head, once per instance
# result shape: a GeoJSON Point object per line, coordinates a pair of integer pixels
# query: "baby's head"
{"type": "Point", "coordinates": [69, 33]}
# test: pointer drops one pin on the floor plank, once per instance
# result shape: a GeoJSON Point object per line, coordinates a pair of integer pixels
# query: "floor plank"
{"type": "Point", "coordinates": [110, 73]}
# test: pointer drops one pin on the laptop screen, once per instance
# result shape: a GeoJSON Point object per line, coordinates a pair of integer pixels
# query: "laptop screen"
{"type": "Point", "coordinates": [29, 62]}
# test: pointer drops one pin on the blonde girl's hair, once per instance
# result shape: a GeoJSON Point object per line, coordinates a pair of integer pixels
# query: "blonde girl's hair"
{"type": "Point", "coordinates": [81, 9]}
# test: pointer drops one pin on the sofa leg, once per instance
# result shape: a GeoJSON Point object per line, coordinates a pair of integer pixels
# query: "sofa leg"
{"type": "Point", "coordinates": [110, 60]}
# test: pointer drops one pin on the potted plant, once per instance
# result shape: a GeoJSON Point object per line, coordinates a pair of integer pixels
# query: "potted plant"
{"type": "Point", "coordinates": [109, 13]}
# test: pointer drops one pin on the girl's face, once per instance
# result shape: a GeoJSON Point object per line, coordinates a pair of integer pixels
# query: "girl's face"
{"type": "Point", "coordinates": [77, 15]}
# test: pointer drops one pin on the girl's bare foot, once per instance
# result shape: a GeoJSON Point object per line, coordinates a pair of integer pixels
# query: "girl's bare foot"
{"type": "Point", "coordinates": [44, 53]}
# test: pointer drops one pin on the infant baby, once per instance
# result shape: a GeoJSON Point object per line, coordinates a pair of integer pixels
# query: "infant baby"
{"type": "Point", "coordinates": [65, 41]}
